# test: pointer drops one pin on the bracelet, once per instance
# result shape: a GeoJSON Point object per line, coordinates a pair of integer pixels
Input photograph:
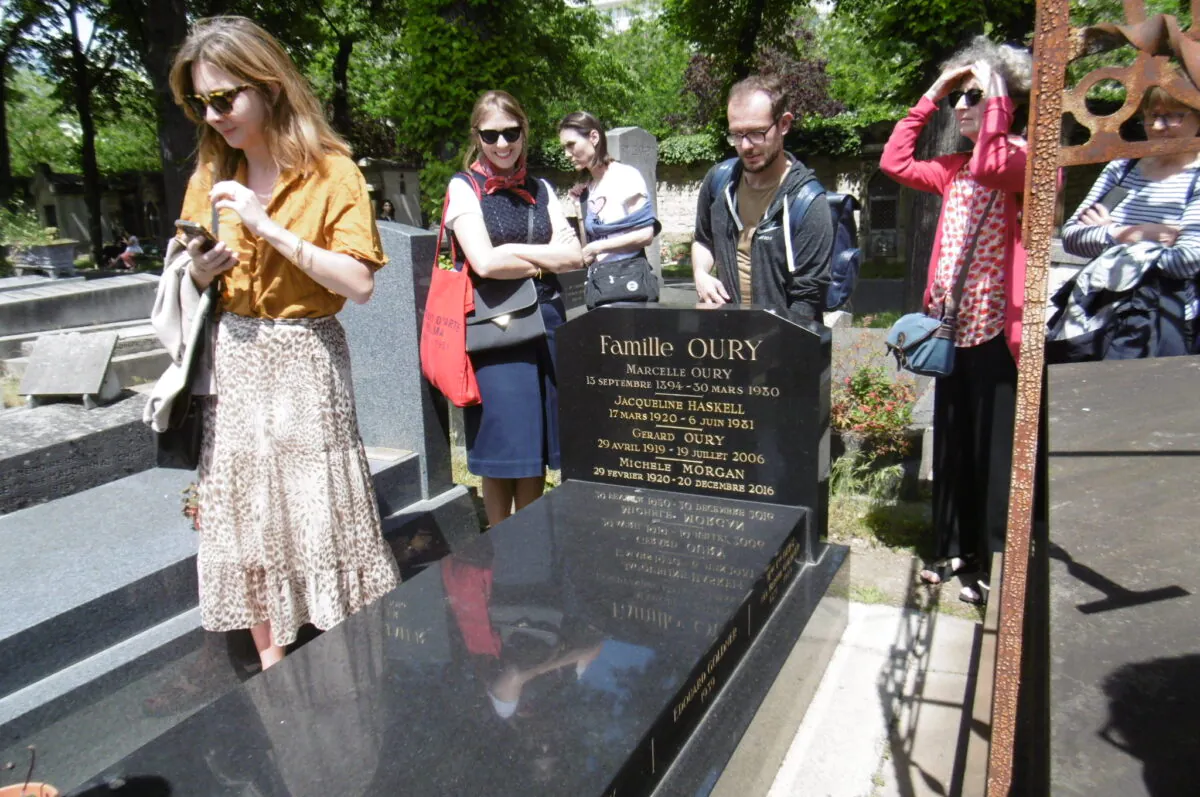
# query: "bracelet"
{"type": "Point", "coordinates": [298, 251]}
{"type": "Point", "coordinates": [537, 273]}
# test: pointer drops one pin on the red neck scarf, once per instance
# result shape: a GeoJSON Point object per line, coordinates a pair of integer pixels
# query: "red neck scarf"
{"type": "Point", "coordinates": [514, 182]}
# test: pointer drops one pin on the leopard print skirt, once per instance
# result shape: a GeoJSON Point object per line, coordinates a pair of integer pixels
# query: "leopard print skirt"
{"type": "Point", "coordinates": [289, 525]}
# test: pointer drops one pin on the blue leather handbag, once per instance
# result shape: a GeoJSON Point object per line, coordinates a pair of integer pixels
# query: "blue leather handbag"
{"type": "Point", "coordinates": [924, 344]}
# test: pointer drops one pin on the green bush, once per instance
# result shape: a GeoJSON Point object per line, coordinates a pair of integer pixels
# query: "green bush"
{"type": "Point", "coordinates": [686, 150]}
{"type": "Point", "coordinates": [20, 227]}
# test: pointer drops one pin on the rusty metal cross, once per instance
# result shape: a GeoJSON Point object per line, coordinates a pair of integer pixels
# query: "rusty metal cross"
{"type": "Point", "coordinates": [1056, 44]}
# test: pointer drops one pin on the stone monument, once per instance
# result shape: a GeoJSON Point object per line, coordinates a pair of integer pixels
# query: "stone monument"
{"type": "Point", "coordinates": [397, 409]}
{"type": "Point", "coordinates": [637, 148]}
{"type": "Point", "coordinates": [725, 401]}
{"type": "Point", "coordinates": [579, 647]}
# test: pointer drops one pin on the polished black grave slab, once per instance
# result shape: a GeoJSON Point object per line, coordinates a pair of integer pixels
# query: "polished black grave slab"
{"type": "Point", "coordinates": [724, 401]}
{"type": "Point", "coordinates": [570, 651]}
{"type": "Point", "coordinates": [1124, 578]}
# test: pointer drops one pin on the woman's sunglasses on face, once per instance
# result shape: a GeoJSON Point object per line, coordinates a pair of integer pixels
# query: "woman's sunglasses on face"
{"type": "Point", "coordinates": [973, 97]}
{"type": "Point", "coordinates": [511, 135]}
{"type": "Point", "coordinates": [220, 101]}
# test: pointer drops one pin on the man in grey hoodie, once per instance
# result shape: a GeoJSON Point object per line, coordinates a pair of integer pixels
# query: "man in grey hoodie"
{"type": "Point", "coordinates": [762, 217]}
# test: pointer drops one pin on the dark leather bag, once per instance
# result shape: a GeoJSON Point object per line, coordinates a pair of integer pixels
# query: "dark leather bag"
{"type": "Point", "coordinates": [628, 280]}
{"type": "Point", "coordinates": [506, 311]}
{"type": "Point", "coordinates": [506, 314]}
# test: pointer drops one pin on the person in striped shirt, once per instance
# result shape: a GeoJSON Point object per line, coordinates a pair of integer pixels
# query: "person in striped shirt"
{"type": "Point", "coordinates": [1153, 199]}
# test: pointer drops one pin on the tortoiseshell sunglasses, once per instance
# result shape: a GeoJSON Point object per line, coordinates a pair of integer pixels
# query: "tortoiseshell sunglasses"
{"type": "Point", "coordinates": [219, 101]}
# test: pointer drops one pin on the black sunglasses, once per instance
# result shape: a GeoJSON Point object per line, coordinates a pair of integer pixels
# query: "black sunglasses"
{"type": "Point", "coordinates": [511, 135]}
{"type": "Point", "coordinates": [219, 101]}
{"type": "Point", "coordinates": [973, 97]}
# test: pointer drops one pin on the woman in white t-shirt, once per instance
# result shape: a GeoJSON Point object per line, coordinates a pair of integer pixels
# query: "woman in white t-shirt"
{"type": "Point", "coordinates": [618, 217]}
{"type": "Point", "coordinates": [510, 226]}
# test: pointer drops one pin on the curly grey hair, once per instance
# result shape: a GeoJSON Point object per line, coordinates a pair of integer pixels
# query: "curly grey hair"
{"type": "Point", "coordinates": [1013, 64]}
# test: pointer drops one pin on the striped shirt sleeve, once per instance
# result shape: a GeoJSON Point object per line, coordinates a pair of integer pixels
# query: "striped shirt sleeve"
{"type": "Point", "coordinates": [1171, 201]}
{"type": "Point", "coordinates": [1086, 240]}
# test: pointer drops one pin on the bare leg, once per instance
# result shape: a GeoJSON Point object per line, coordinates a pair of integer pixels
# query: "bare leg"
{"type": "Point", "coordinates": [529, 490]}
{"type": "Point", "coordinates": [498, 498]}
{"type": "Point", "coordinates": [268, 652]}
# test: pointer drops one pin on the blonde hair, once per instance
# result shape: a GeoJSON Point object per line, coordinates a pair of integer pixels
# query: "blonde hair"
{"type": "Point", "coordinates": [506, 103]}
{"type": "Point", "coordinates": [296, 131]}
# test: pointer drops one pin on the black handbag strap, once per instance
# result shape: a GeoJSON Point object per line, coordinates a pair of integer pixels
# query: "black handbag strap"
{"type": "Point", "coordinates": [951, 304]}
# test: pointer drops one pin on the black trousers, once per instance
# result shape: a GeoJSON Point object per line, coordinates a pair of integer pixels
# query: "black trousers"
{"type": "Point", "coordinates": [973, 417]}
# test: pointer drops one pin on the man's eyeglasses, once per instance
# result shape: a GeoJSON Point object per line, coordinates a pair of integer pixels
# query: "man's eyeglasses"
{"type": "Point", "coordinates": [220, 101]}
{"type": "Point", "coordinates": [973, 97]}
{"type": "Point", "coordinates": [1172, 119]}
{"type": "Point", "coordinates": [511, 135]}
{"type": "Point", "coordinates": [755, 137]}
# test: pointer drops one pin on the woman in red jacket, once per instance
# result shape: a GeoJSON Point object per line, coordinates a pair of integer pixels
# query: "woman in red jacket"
{"type": "Point", "coordinates": [974, 407]}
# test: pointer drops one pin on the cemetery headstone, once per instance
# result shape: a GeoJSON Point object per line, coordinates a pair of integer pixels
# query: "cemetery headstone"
{"type": "Point", "coordinates": [577, 647]}
{"type": "Point", "coordinates": [396, 408]}
{"type": "Point", "coordinates": [74, 364]}
{"type": "Point", "coordinates": [725, 401]}
{"type": "Point", "coordinates": [638, 148]}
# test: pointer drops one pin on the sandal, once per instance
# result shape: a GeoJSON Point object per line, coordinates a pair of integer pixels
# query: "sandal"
{"type": "Point", "coordinates": [943, 570]}
{"type": "Point", "coordinates": [975, 594]}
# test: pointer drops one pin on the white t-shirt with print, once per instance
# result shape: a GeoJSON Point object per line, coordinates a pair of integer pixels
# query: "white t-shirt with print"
{"type": "Point", "coordinates": [621, 191]}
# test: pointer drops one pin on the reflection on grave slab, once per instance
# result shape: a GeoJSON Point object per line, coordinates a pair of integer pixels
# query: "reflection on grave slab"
{"type": "Point", "coordinates": [570, 652]}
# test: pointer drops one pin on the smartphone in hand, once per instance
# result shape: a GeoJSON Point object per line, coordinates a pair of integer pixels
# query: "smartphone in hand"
{"type": "Point", "coordinates": [193, 230]}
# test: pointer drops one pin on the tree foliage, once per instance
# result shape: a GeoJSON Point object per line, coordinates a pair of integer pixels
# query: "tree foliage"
{"type": "Point", "coordinates": [927, 31]}
{"type": "Point", "coordinates": [733, 39]}
{"type": "Point", "coordinates": [730, 32]}
{"type": "Point", "coordinates": [632, 77]}
{"type": "Point", "coordinates": [456, 50]}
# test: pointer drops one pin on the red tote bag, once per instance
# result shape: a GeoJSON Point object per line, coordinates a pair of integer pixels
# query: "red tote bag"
{"type": "Point", "coordinates": [444, 359]}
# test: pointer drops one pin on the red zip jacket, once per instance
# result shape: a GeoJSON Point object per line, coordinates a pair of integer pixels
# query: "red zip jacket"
{"type": "Point", "coordinates": [998, 161]}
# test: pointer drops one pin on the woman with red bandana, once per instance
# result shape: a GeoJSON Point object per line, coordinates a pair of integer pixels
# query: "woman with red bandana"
{"type": "Point", "coordinates": [510, 226]}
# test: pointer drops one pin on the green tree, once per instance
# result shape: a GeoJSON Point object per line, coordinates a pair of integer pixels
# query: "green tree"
{"type": "Point", "coordinates": [38, 130]}
{"type": "Point", "coordinates": [731, 32]}
{"type": "Point", "coordinates": [925, 33]}
{"type": "Point", "coordinates": [89, 64]}
{"type": "Point", "coordinates": [632, 77]}
{"type": "Point", "coordinates": [16, 20]}
{"type": "Point", "coordinates": [456, 50]}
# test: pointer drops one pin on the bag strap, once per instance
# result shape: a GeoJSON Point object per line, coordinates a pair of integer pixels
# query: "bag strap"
{"type": "Point", "coordinates": [529, 226]}
{"type": "Point", "coordinates": [950, 311]}
{"type": "Point", "coordinates": [215, 287]}
{"type": "Point", "coordinates": [795, 210]}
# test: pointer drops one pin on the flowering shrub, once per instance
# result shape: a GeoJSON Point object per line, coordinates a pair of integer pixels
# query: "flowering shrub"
{"type": "Point", "coordinates": [876, 409]}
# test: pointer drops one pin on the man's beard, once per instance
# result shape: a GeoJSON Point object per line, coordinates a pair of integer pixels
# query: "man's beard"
{"type": "Point", "coordinates": [766, 164]}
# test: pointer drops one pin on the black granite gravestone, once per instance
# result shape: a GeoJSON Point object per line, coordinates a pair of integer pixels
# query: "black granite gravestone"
{"type": "Point", "coordinates": [725, 401]}
{"type": "Point", "coordinates": [580, 647]}
{"type": "Point", "coordinates": [571, 651]}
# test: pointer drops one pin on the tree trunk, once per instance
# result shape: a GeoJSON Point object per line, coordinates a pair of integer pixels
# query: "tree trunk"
{"type": "Point", "coordinates": [165, 29]}
{"type": "Point", "coordinates": [6, 178]}
{"type": "Point", "coordinates": [749, 39]}
{"type": "Point", "coordinates": [87, 129]}
{"type": "Point", "coordinates": [341, 85]}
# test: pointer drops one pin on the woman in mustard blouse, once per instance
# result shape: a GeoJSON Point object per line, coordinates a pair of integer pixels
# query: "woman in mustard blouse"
{"type": "Point", "coordinates": [289, 526]}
